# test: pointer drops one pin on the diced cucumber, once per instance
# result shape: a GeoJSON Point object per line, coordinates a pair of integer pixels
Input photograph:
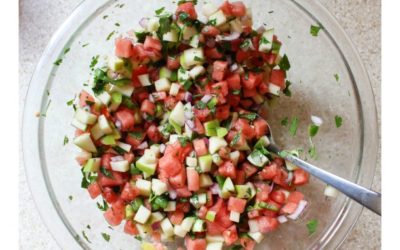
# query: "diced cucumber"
{"type": "Point", "coordinates": [85, 117]}
{"type": "Point", "coordinates": [208, 9]}
{"type": "Point", "coordinates": [211, 127]}
{"type": "Point", "coordinates": [198, 200]}
{"type": "Point", "coordinates": [234, 156]}
{"type": "Point", "coordinates": [178, 231]}
{"type": "Point", "coordinates": [171, 36]}
{"type": "Point", "coordinates": [92, 165]}
{"type": "Point", "coordinates": [198, 226]}
{"type": "Point", "coordinates": [96, 131]}
{"type": "Point", "coordinates": [187, 223]}
{"type": "Point", "coordinates": [258, 237]}
{"type": "Point", "coordinates": [79, 125]}
{"type": "Point", "coordinates": [177, 115]}
{"type": "Point", "coordinates": [120, 166]}
{"type": "Point", "coordinates": [116, 100]}
{"type": "Point", "coordinates": [142, 215]}
{"type": "Point", "coordinates": [253, 225]}
{"type": "Point", "coordinates": [221, 132]}
{"type": "Point", "coordinates": [173, 138]}
{"type": "Point", "coordinates": [126, 90]}
{"type": "Point", "coordinates": [246, 191]}
{"type": "Point", "coordinates": [217, 160]}
{"type": "Point", "coordinates": [162, 84]}
{"type": "Point", "coordinates": [214, 238]}
{"type": "Point", "coordinates": [205, 163]}
{"type": "Point", "coordinates": [104, 98]}
{"type": "Point", "coordinates": [197, 71]}
{"type": "Point", "coordinates": [266, 40]}
{"type": "Point", "coordinates": [191, 57]}
{"type": "Point", "coordinates": [144, 187]}
{"type": "Point", "coordinates": [274, 89]}
{"type": "Point", "coordinates": [126, 147]}
{"type": "Point", "coordinates": [144, 80]}
{"type": "Point", "coordinates": [153, 24]}
{"type": "Point", "coordinates": [115, 63]}
{"type": "Point", "coordinates": [174, 90]}
{"type": "Point", "coordinates": [228, 185]}
{"type": "Point", "coordinates": [143, 230]}
{"type": "Point", "coordinates": [85, 142]}
{"type": "Point", "coordinates": [147, 165]}
{"type": "Point", "coordinates": [129, 212]}
{"type": "Point", "coordinates": [257, 158]}
{"type": "Point", "coordinates": [191, 161]}
{"type": "Point", "coordinates": [108, 140]}
{"type": "Point", "coordinates": [205, 181]}
{"type": "Point", "coordinates": [194, 42]}
{"type": "Point", "coordinates": [156, 217]}
{"type": "Point", "coordinates": [215, 143]}
{"type": "Point", "coordinates": [188, 32]}
{"type": "Point", "coordinates": [158, 187]}
{"type": "Point", "coordinates": [218, 18]}
{"type": "Point", "coordinates": [214, 246]}
{"type": "Point", "coordinates": [183, 75]}
{"type": "Point", "coordinates": [262, 142]}
{"type": "Point", "coordinates": [165, 73]}
{"type": "Point", "coordinates": [155, 148]}
{"type": "Point", "coordinates": [171, 206]}
{"type": "Point", "coordinates": [202, 199]}
{"type": "Point", "coordinates": [210, 215]}
{"type": "Point", "coordinates": [234, 216]}
{"type": "Point", "coordinates": [236, 26]}
{"type": "Point", "coordinates": [167, 227]}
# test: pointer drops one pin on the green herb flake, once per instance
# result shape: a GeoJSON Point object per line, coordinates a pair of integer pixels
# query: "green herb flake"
{"type": "Point", "coordinates": [58, 62]}
{"type": "Point", "coordinates": [236, 92]}
{"type": "Point", "coordinates": [314, 30]}
{"type": "Point", "coordinates": [88, 227]}
{"type": "Point", "coordinates": [312, 152]}
{"type": "Point", "coordinates": [105, 16]}
{"type": "Point", "coordinates": [85, 236]}
{"type": "Point", "coordinates": [212, 22]}
{"type": "Point", "coordinates": [249, 116]}
{"type": "Point", "coordinates": [236, 247]}
{"type": "Point", "coordinates": [183, 141]}
{"type": "Point", "coordinates": [270, 12]}
{"type": "Point", "coordinates": [138, 237]}
{"type": "Point", "coordinates": [94, 61]}
{"type": "Point", "coordinates": [236, 138]}
{"type": "Point", "coordinates": [106, 172]}
{"type": "Point", "coordinates": [336, 77]}
{"type": "Point", "coordinates": [313, 130]}
{"type": "Point", "coordinates": [110, 35]}
{"type": "Point", "coordinates": [159, 11]}
{"type": "Point", "coordinates": [117, 24]}
{"type": "Point", "coordinates": [284, 63]}
{"type": "Point", "coordinates": [338, 121]}
{"type": "Point", "coordinates": [136, 135]}
{"type": "Point", "coordinates": [103, 207]}
{"type": "Point", "coordinates": [285, 121]}
{"type": "Point", "coordinates": [287, 91]}
{"type": "Point", "coordinates": [264, 40]}
{"type": "Point", "coordinates": [70, 197]}
{"type": "Point", "coordinates": [84, 45]}
{"type": "Point", "coordinates": [201, 105]}
{"type": "Point", "coordinates": [312, 226]}
{"type": "Point", "coordinates": [66, 140]}
{"type": "Point", "coordinates": [106, 237]}
{"type": "Point", "coordinates": [66, 50]}
{"type": "Point", "coordinates": [293, 126]}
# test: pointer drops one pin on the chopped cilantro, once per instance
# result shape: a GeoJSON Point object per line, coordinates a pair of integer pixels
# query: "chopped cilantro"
{"type": "Point", "coordinates": [245, 44]}
{"type": "Point", "coordinates": [312, 226]}
{"type": "Point", "coordinates": [338, 121]}
{"type": "Point", "coordinates": [66, 50]}
{"type": "Point", "coordinates": [236, 92]}
{"type": "Point", "coordinates": [136, 135]}
{"type": "Point", "coordinates": [249, 116]}
{"type": "Point", "coordinates": [105, 16]}
{"type": "Point", "coordinates": [95, 60]}
{"type": "Point", "coordinates": [287, 91]}
{"type": "Point", "coordinates": [85, 236]}
{"type": "Point", "coordinates": [198, 59]}
{"type": "Point", "coordinates": [106, 237]}
{"type": "Point", "coordinates": [183, 141]}
{"type": "Point", "coordinates": [212, 22]}
{"type": "Point", "coordinates": [165, 26]}
{"type": "Point", "coordinates": [235, 139]}
{"type": "Point", "coordinates": [117, 24]}
{"type": "Point", "coordinates": [264, 40]}
{"type": "Point", "coordinates": [313, 152]}
{"type": "Point", "coordinates": [88, 227]}
{"type": "Point", "coordinates": [84, 45]}
{"type": "Point", "coordinates": [284, 64]}
{"type": "Point", "coordinates": [70, 197]}
{"type": "Point", "coordinates": [103, 207]}
{"type": "Point", "coordinates": [293, 126]}
{"type": "Point", "coordinates": [87, 179]}
{"type": "Point", "coordinates": [110, 35]}
{"type": "Point", "coordinates": [106, 172]}
{"type": "Point", "coordinates": [66, 140]}
{"type": "Point", "coordinates": [185, 1]}
{"type": "Point", "coordinates": [187, 85]}
{"type": "Point", "coordinates": [315, 29]}
{"type": "Point", "coordinates": [220, 180]}
{"type": "Point", "coordinates": [159, 11]}
{"type": "Point", "coordinates": [285, 121]}
{"type": "Point", "coordinates": [313, 130]}
{"type": "Point", "coordinates": [138, 237]}
{"type": "Point", "coordinates": [183, 16]}
{"type": "Point", "coordinates": [336, 77]}
{"type": "Point", "coordinates": [236, 247]}
{"type": "Point", "coordinates": [100, 81]}
{"type": "Point", "coordinates": [268, 206]}
{"type": "Point", "coordinates": [201, 105]}
{"type": "Point", "coordinates": [58, 62]}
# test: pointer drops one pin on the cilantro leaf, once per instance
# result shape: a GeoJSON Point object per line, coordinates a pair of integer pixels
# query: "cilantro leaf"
{"type": "Point", "coordinates": [106, 172]}
{"type": "Point", "coordinates": [201, 105]}
{"type": "Point", "coordinates": [285, 121]}
{"type": "Point", "coordinates": [159, 11]}
{"type": "Point", "coordinates": [110, 35]}
{"type": "Point", "coordinates": [106, 237]}
{"type": "Point", "coordinates": [249, 116]}
{"type": "Point", "coordinates": [70, 197]}
{"type": "Point", "coordinates": [314, 30]}
{"type": "Point", "coordinates": [338, 121]}
{"type": "Point", "coordinates": [95, 60]}
{"type": "Point", "coordinates": [236, 138]}
{"type": "Point", "coordinates": [66, 50]}
{"type": "Point", "coordinates": [103, 207]}
{"type": "Point", "coordinates": [66, 140]}
{"type": "Point", "coordinates": [312, 226]}
{"type": "Point", "coordinates": [313, 130]}
{"type": "Point", "coordinates": [183, 141]}
{"type": "Point", "coordinates": [100, 81]}
{"type": "Point", "coordinates": [287, 91]}
{"type": "Point", "coordinates": [336, 77]}
{"type": "Point", "coordinates": [293, 126]}
{"type": "Point", "coordinates": [313, 152]}
{"type": "Point", "coordinates": [284, 64]}
{"type": "Point", "coordinates": [85, 236]}
{"type": "Point", "coordinates": [58, 62]}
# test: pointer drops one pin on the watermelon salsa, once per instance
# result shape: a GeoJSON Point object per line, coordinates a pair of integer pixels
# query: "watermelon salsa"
{"type": "Point", "coordinates": [170, 134]}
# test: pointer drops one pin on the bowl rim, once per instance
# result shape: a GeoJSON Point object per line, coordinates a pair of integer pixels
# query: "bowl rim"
{"type": "Point", "coordinates": [48, 207]}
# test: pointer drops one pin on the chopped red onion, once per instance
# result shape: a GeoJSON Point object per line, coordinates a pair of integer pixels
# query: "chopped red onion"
{"type": "Point", "coordinates": [229, 59]}
{"type": "Point", "coordinates": [290, 177]}
{"type": "Point", "coordinates": [173, 194]}
{"type": "Point", "coordinates": [232, 36]}
{"type": "Point", "coordinates": [271, 187]}
{"type": "Point", "coordinates": [234, 67]}
{"type": "Point", "coordinates": [206, 141]}
{"type": "Point", "coordinates": [261, 29]}
{"type": "Point", "coordinates": [143, 145]}
{"type": "Point", "coordinates": [210, 43]}
{"type": "Point", "coordinates": [190, 123]}
{"type": "Point", "coordinates": [282, 219]}
{"type": "Point", "coordinates": [206, 98]}
{"type": "Point", "coordinates": [299, 210]}
{"type": "Point", "coordinates": [118, 124]}
{"type": "Point", "coordinates": [151, 98]}
{"type": "Point", "coordinates": [117, 158]}
{"type": "Point", "coordinates": [144, 22]}
{"type": "Point", "coordinates": [162, 148]}
{"type": "Point", "coordinates": [215, 189]}
{"type": "Point", "coordinates": [156, 225]}
{"type": "Point", "coordinates": [316, 120]}
{"type": "Point", "coordinates": [188, 97]}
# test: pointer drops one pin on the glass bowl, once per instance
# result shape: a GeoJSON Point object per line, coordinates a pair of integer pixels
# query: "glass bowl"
{"type": "Point", "coordinates": [349, 151]}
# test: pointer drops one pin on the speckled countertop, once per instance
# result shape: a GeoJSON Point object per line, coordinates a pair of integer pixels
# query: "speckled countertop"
{"type": "Point", "coordinates": [40, 18]}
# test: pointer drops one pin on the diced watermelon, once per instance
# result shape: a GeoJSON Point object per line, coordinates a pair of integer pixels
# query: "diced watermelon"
{"type": "Point", "coordinates": [123, 47]}
{"type": "Point", "coordinates": [85, 98]}
{"type": "Point", "coordinates": [277, 77]}
{"type": "Point", "coordinates": [130, 228]}
{"type": "Point", "coordinates": [227, 169]}
{"type": "Point", "coordinates": [94, 190]}
{"type": "Point", "coordinates": [126, 118]}
{"type": "Point", "coordinates": [195, 244]}
{"type": "Point", "coordinates": [267, 224]}
{"type": "Point", "coordinates": [300, 177]}
{"type": "Point", "coordinates": [188, 8]}
{"type": "Point", "coordinates": [295, 197]}
{"type": "Point", "coordinates": [148, 107]}
{"type": "Point", "coordinates": [200, 147]}
{"type": "Point", "coordinates": [152, 43]}
{"type": "Point", "coordinates": [236, 205]}
{"type": "Point", "coordinates": [129, 192]}
{"type": "Point", "coordinates": [176, 217]}
{"type": "Point", "coordinates": [193, 179]}
{"type": "Point", "coordinates": [230, 235]}
{"type": "Point", "coordinates": [219, 70]}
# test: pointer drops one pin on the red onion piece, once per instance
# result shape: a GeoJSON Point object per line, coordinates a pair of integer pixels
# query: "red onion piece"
{"type": "Point", "coordinates": [190, 124]}
{"type": "Point", "coordinates": [316, 120]}
{"type": "Point", "coordinates": [206, 98]}
{"type": "Point", "coordinates": [206, 141]}
{"type": "Point", "coordinates": [144, 22]}
{"type": "Point", "coordinates": [234, 67]}
{"type": "Point", "coordinates": [118, 124]}
{"type": "Point", "coordinates": [156, 225]}
{"type": "Point", "coordinates": [215, 189]}
{"type": "Point", "coordinates": [162, 148]}
{"type": "Point", "coordinates": [282, 219]}
{"type": "Point", "coordinates": [261, 29]}
{"type": "Point", "coordinates": [143, 145]}
{"type": "Point", "coordinates": [151, 98]}
{"type": "Point", "coordinates": [188, 97]}
{"type": "Point", "coordinates": [232, 36]}
{"type": "Point", "coordinates": [172, 194]}
{"type": "Point", "coordinates": [117, 158]}
{"type": "Point", "coordinates": [299, 210]}
{"type": "Point", "coordinates": [271, 187]}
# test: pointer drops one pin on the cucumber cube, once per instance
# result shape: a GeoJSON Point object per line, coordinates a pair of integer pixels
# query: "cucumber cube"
{"type": "Point", "coordinates": [120, 166]}
{"type": "Point", "coordinates": [214, 238]}
{"type": "Point", "coordinates": [144, 80]}
{"type": "Point", "coordinates": [191, 162]}
{"type": "Point", "coordinates": [162, 84]}
{"type": "Point", "coordinates": [266, 41]}
{"type": "Point", "coordinates": [183, 74]}
{"type": "Point", "coordinates": [165, 73]}
{"type": "Point", "coordinates": [158, 187]}
{"type": "Point", "coordinates": [197, 71]}
{"type": "Point", "coordinates": [177, 115]}
{"type": "Point", "coordinates": [211, 127]}
{"type": "Point", "coordinates": [104, 125]}
{"type": "Point", "coordinates": [188, 32]}
{"type": "Point", "coordinates": [115, 63]}
{"type": "Point", "coordinates": [194, 42]}
{"type": "Point", "coordinates": [228, 185]}
{"type": "Point", "coordinates": [215, 143]}
{"type": "Point", "coordinates": [236, 26]}
{"type": "Point", "coordinates": [129, 212]}
{"type": "Point", "coordinates": [108, 140]}
{"type": "Point", "coordinates": [218, 18]}
{"type": "Point", "coordinates": [85, 142]}
{"type": "Point", "coordinates": [104, 98]}
{"type": "Point", "coordinates": [85, 117]}
{"type": "Point", "coordinates": [96, 131]}
{"type": "Point", "coordinates": [234, 156]}
{"type": "Point", "coordinates": [167, 227]}
{"type": "Point", "coordinates": [171, 206]}
{"type": "Point", "coordinates": [191, 57]}
{"type": "Point", "coordinates": [274, 89]}
{"type": "Point", "coordinates": [174, 90]}
{"type": "Point", "coordinates": [144, 187]}
{"type": "Point", "coordinates": [258, 237]}
{"type": "Point", "coordinates": [246, 191]}
{"type": "Point", "coordinates": [116, 100]}
{"type": "Point", "coordinates": [198, 226]}
{"type": "Point", "coordinates": [178, 231]}
{"type": "Point", "coordinates": [171, 36]}
{"type": "Point", "coordinates": [79, 125]}
{"type": "Point", "coordinates": [126, 147]}
{"type": "Point", "coordinates": [257, 158]}
{"type": "Point", "coordinates": [214, 246]}
{"type": "Point", "coordinates": [126, 90]}
{"type": "Point", "coordinates": [208, 9]}
{"type": "Point", "coordinates": [217, 160]}
{"type": "Point", "coordinates": [153, 24]}
{"type": "Point", "coordinates": [221, 132]}
{"type": "Point", "coordinates": [187, 223]}
{"type": "Point", "coordinates": [92, 165]}
{"type": "Point", "coordinates": [156, 217]}
{"type": "Point", "coordinates": [205, 163]}
{"type": "Point", "coordinates": [142, 215]}
{"type": "Point", "coordinates": [205, 181]}
{"type": "Point", "coordinates": [234, 216]}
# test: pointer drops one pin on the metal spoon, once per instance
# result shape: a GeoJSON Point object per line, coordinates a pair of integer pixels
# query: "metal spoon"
{"type": "Point", "coordinates": [368, 198]}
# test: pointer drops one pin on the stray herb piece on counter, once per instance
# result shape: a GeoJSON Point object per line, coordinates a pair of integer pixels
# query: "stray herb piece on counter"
{"type": "Point", "coordinates": [95, 60]}
{"type": "Point", "coordinates": [70, 197]}
{"type": "Point", "coordinates": [58, 62]}
{"type": "Point", "coordinates": [314, 30]}
{"type": "Point", "coordinates": [103, 207]}
{"type": "Point", "coordinates": [106, 237]}
{"type": "Point", "coordinates": [293, 126]}
{"type": "Point", "coordinates": [313, 152]}
{"type": "Point", "coordinates": [66, 140]}
{"type": "Point", "coordinates": [110, 35]}
{"type": "Point", "coordinates": [285, 121]}
{"type": "Point", "coordinates": [338, 121]}
{"type": "Point", "coordinates": [312, 226]}
{"type": "Point", "coordinates": [313, 130]}
{"type": "Point", "coordinates": [336, 77]}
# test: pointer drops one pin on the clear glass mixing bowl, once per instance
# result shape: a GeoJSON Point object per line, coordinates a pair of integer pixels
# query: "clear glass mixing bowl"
{"type": "Point", "coordinates": [349, 151]}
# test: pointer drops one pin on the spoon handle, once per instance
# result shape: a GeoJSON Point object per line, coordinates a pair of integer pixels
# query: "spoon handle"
{"type": "Point", "coordinates": [364, 196]}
